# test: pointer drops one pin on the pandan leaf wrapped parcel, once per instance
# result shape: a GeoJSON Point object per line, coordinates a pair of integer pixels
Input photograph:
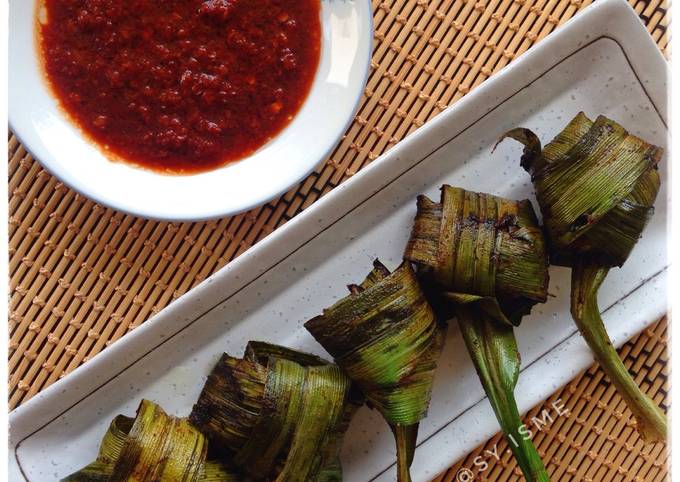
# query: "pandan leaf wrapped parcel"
{"type": "Point", "coordinates": [280, 412]}
{"type": "Point", "coordinates": [387, 339]}
{"type": "Point", "coordinates": [153, 447]}
{"type": "Point", "coordinates": [488, 257]}
{"type": "Point", "coordinates": [596, 185]}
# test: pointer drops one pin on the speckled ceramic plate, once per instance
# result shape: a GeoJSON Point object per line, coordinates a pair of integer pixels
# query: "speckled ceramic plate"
{"type": "Point", "coordinates": [601, 62]}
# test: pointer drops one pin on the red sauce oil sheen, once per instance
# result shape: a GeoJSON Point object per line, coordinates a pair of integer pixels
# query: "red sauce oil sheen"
{"type": "Point", "coordinates": [181, 86]}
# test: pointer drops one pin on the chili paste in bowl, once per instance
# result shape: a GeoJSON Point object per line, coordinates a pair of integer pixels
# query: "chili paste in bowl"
{"type": "Point", "coordinates": [185, 109]}
{"type": "Point", "coordinates": [180, 86]}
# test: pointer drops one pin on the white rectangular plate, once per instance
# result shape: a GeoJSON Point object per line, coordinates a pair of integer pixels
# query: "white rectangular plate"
{"type": "Point", "coordinates": [603, 61]}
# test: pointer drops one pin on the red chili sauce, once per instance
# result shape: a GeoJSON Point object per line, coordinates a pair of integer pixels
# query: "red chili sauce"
{"type": "Point", "coordinates": [181, 86]}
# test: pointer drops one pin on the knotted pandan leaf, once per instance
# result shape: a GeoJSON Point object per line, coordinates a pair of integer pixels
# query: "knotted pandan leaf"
{"type": "Point", "coordinates": [386, 338]}
{"type": "Point", "coordinates": [281, 412]}
{"type": "Point", "coordinates": [109, 451]}
{"type": "Point", "coordinates": [596, 185]}
{"type": "Point", "coordinates": [484, 246]}
{"type": "Point", "coordinates": [488, 257]}
{"type": "Point", "coordinates": [153, 447]}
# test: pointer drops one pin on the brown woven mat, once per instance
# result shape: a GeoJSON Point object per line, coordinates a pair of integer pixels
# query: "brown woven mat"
{"type": "Point", "coordinates": [82, 275]}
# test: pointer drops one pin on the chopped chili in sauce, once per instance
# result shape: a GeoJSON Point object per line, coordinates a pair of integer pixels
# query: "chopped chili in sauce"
{"type": "Point", "coordinates": [181, 86]}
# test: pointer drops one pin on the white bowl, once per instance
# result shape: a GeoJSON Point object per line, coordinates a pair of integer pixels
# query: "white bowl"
{"type": "Point", "coordinates": [52, 139]}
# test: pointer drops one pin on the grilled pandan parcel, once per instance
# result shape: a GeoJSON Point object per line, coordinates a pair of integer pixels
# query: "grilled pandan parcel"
{"type": "Point", "coordinates": [153, 447]}
{"type": "Point", "coordinates": [386, 337]}
{"type": "Point", "coordinates": [596, 185]}
{"type": "Point", "coordinates": [280, 414]}
{"type": "Point", "coordinates": [487, 256]}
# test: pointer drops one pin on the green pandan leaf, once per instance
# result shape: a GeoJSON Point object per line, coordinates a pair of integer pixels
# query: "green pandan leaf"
{"type": "Point", "coordinates": [160, 447]}
{"type": "Point", "coordinates": [585, 283]}
{"type": "Point", "coordinates": [109, 451]}
{"type": "Point", "coordinates": [153, 447]}
{"type": "Point", "coordinates": [596, 185]}
{"type": "Point", "coordinates": [486, 304]}
{"type": "Point", "coordinates": [493, 349]}
{"type": "Point", "coordinates": [282, 413]}
{"type": "Point", "coordinates": [483, 245]}
{"type": "Point", "coordinates": [488, 257]}
{"type": "Point", "coordinates": [386, 338]}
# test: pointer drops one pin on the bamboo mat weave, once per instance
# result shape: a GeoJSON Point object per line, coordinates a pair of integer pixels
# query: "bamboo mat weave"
{"type": "Point", "coordinates": [82, 275]}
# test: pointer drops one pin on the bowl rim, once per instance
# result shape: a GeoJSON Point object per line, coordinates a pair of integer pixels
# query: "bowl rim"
{"type": "Point", "coordinates": [65, 177]}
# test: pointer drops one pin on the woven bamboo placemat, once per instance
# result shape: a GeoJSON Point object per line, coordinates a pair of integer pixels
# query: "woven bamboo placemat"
{"type": "Point", "coordinates": [82, 275]}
